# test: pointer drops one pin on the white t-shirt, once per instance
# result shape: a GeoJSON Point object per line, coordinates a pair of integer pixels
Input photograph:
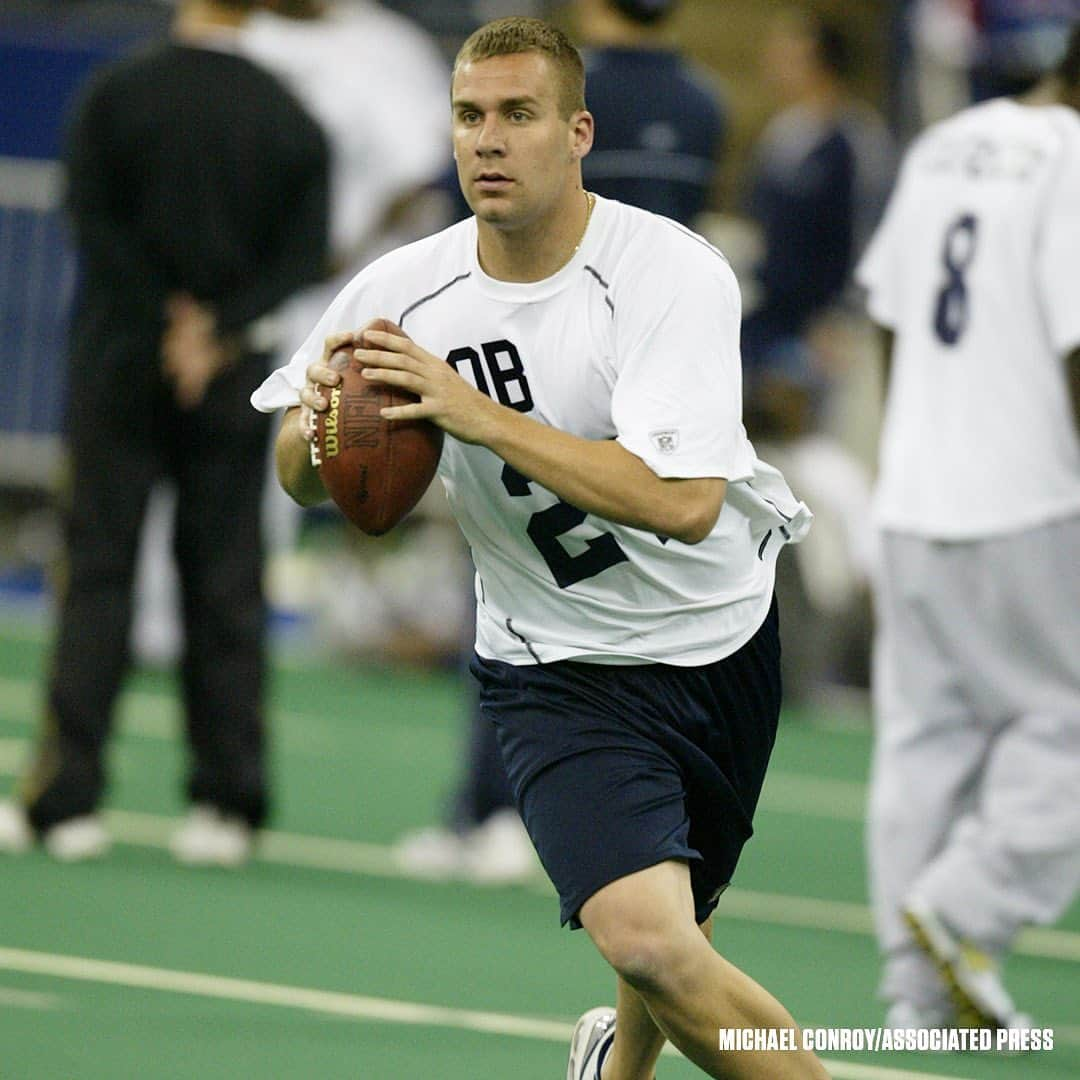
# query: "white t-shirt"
{"type": "Point", "coordinates": [975, 268]}
{"type": "Point", "coordinates": [377, 85]}
{"type": "Point", "coordinates": [635, 339]}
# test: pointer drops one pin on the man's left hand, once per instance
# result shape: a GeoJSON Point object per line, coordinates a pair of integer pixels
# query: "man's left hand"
{"type": "Point", "coordinates": [446, 399]}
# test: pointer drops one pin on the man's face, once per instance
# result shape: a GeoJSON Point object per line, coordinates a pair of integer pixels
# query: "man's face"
{"type": "Point", "coordinates": [515, 150]}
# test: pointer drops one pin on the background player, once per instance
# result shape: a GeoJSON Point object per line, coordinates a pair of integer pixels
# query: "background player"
{"type": "Point", "coordinates": [198, 192]}
{"type": "Point", "coordinates": [974, 820]}
{"type": "Point", "coordinates": [658, 150]}
{"type": "Point", "coordinates": [624, 535]}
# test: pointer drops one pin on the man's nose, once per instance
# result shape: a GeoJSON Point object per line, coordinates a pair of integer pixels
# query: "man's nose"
{"type": "Point", "coordinates": [490, 138]}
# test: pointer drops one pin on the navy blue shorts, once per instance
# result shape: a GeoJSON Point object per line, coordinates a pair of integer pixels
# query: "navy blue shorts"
{"type": "Point", "coordinates": [616, 769]}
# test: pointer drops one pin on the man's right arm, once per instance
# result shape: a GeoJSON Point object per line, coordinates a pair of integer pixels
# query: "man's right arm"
{"type": "Point", "coordinates": [292, 449]}
{"type": "Point", "coordinates": [292, 459]}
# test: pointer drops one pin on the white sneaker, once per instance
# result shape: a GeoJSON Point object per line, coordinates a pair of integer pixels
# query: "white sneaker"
{"type": "Point", "coordinates": [436, 854]}
{"type": "Point", "coordinates": [77, 839]}
{"type": "Point", "coordinates": [209, 837]}
{"type": "Point", "coordinates": [907, 1015]}
{"type": "Point", "coordinates": [971, 975]}
{"type": "Point", "coordinates": [16, 836]}
{"type": "Point", "coordinates": [499, 852]}
{"type": "Point", "coordinates": [590, 1043]}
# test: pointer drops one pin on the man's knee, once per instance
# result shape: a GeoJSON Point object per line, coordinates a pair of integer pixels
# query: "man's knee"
{"type": "Point", "coordinates": [643, 925]}
{"type": "Point", "coordinates": [649, 959]}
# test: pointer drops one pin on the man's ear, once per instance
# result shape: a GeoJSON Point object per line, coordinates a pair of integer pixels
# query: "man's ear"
{"type": "Point", "coordinates": [582, 130]}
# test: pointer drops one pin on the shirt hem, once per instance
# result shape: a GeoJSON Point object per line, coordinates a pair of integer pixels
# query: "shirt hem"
{"type": "Point", "coordinates": [539, 653]}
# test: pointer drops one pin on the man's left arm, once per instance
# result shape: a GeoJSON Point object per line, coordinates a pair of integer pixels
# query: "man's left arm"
{"type": "Point", "coordinates": [597, 476]}
{"type": "Point", "coordinates": [602, 477]}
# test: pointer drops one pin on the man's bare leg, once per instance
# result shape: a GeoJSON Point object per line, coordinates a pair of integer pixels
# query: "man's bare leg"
{"type": "Point", "coordinates": [643, 925]}
{"type": "Point", "coordinates": [638, 1041]}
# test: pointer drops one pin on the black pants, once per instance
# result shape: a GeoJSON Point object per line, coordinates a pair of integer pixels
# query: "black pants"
{"type": "Point", "coordinates": [484, 788]}
{"type": "Point", "coordinates": [124, 435]}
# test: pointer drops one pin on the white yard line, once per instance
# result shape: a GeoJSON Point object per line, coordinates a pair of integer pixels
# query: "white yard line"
{"type": "Point", "coordinates": [157, 716]}
{"type": "Point", "coordinates": [141, 977]}
{"type": "Point", "coordinates": [377, 860]}
{"type": "Point", "coordinates": [353, 1006]}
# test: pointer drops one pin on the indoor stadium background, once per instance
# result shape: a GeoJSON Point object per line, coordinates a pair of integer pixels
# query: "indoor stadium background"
{"type": "Point", "coordinates": [323, 958]}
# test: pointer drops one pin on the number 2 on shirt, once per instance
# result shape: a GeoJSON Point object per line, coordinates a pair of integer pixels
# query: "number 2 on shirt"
{"type": "Point", "coordinates": [546, 526]}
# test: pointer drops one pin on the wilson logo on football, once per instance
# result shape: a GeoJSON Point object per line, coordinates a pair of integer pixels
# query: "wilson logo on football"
{"type": "Point", "coordinates": [331, 444]}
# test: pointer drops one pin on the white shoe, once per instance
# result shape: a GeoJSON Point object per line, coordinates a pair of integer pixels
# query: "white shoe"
{"type": "Point", "coordinates": [209, 837]}
{"type": "Point", "coordinates": [436, 854]}
{"type": "Point", "coordinates": [906, 1015]}
{"type": "Point", "coordinates": [77, 839]}
{"type": "Point", "coordinates": [971, 975]}
{"type": "Point", "coordinates": [499, 852]}
{"type": "Point", "coordinates": [16, 836]}
{"type": "Point", "coordinates": [590, 1043]}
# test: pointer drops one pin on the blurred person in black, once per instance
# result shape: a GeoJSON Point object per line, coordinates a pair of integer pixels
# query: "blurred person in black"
{"type": "Point", "coordinates": [660, 130]}
{"type": "Point", "coordinates": [817, 185]}
{"type": "Point", "coordinates": [366, 75]}
{"type": "Point", "coordinates": [818, 182]}
{"type": "Point", "coordinates": [198, 195]}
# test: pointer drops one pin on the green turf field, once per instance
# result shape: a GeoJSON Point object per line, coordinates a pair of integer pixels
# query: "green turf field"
{"type": "Point", "coordinates": [321, 961]}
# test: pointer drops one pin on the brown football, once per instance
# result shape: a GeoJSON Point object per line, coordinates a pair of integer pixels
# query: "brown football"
{"type": "Point", "coordinates": [376, 470]}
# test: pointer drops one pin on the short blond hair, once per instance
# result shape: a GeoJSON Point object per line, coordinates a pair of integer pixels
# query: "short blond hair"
{"type": "Point", "coordinates": [518, 34]}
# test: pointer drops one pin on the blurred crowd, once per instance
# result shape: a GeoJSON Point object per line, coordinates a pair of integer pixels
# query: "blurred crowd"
{"type": "Point", "coordinates": [807, 195]}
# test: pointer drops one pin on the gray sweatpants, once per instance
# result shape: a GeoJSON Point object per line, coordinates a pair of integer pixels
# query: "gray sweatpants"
{"type": "Point", "coordinates": [975, 785]}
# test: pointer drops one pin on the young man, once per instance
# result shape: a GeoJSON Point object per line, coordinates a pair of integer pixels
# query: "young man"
{"type": "Point", "coordinates": [658, 151]}
{"type": "Point", "coordinates": [583, 357]}
{"type": "Point", "coordinates": [974, 826]}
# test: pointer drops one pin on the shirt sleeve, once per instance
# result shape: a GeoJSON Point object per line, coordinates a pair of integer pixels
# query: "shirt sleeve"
{"type": "Point", "coordinates": [1058, 243]}
{"type": "Point", "coordinates": [677, 399]}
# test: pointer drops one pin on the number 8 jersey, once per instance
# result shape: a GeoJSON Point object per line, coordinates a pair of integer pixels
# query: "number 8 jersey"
{"type": "Point", "coordinates": [635, 339]}
{"type": "Point", "coordinates": [976, 269]}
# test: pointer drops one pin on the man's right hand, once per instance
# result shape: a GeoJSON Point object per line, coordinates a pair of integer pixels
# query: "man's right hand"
{"type": "Point", "coordinates": [320, 375]}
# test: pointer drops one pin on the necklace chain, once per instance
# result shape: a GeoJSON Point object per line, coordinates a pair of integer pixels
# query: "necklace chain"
{"type": "Point", "coordinates": [590, 202]}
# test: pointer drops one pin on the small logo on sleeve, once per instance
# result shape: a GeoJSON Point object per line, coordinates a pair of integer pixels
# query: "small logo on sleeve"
{"type": "Point", "coordinates": [666, 441]}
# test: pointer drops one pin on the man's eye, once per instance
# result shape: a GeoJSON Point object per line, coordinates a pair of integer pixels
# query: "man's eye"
{"type": "Point", "coordinates": [518, 116]}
